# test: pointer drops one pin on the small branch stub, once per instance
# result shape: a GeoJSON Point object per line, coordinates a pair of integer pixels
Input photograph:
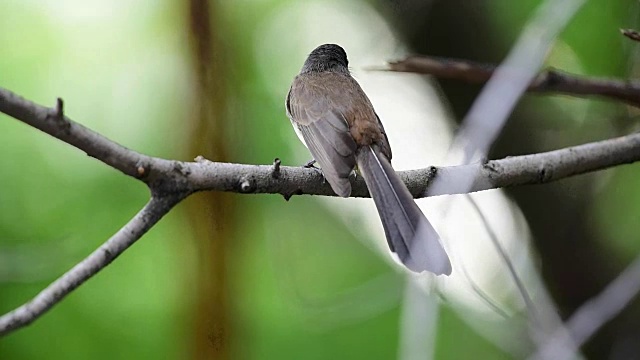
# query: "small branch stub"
{"type": "Point", "coordinates": [275, 173]}
{"type": "Point", "coordinates": [631, 34]}
{"type": "Point", "coordinates": [59, 108]}
{"type": "Point", "coordinates": [288, 196]}
{"type": "Point", "coordinates": [57, 115]}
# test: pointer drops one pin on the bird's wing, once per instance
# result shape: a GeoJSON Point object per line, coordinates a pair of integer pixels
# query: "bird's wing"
{"type": "Point", "coordinates": [325, 131]}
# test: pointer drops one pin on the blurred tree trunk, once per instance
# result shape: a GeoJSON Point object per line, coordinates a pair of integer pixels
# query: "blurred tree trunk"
{"type": "Point", "coordinates": [212, 213]}
{"type": "Point", "coordinates": [573, 264]}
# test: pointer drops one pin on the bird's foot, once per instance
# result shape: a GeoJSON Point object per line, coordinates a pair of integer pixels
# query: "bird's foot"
{"type": "Point", "coordinates": [311, 165]}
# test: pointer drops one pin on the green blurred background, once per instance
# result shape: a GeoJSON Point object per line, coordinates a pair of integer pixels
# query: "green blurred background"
{"type": "Point", "coordinates": [252, 277]}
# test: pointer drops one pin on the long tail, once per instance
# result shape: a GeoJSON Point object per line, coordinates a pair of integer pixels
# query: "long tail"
{"type": "Point", "coordinates": [409, 233]}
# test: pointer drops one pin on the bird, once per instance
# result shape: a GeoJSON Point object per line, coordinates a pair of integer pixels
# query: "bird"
{"type": "Point", "coordinates": [336, 121]}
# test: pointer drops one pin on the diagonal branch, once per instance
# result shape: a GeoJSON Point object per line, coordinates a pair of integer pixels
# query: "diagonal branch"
{"type": "Point", "coordinates": [549, 80]}
{"type": "Point", "coordinates": [593, 314]}
{"type": "Point", "coordinates": [56, 124]}
{"type": "Point", "coordinates": [91, 265]}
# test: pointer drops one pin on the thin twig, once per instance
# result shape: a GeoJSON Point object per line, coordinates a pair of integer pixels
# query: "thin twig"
{"type": "Point", "coordinates": [549, 80]}
{"type": "Point", "coordinates": [594, 314]}
{"type": "Point", "coordinates": [502, 253]}
{"type": "Point", "coordinates": [91, 265]}
{"type": "Point", "coordinates": [491, 109]}
{"type": "Point", "coordinates": [54, 123]}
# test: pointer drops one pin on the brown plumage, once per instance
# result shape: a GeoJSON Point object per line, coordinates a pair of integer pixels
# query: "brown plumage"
{"type": "Point", "coordinates": [336, 121]}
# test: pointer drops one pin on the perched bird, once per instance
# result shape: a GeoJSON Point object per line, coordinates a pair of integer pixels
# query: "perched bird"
{"type": "Point", "coordinates": [334, 118]}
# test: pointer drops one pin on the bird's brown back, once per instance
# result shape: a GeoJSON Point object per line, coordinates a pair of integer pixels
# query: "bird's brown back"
{"type": "Point", "coordinates": [317, 93]}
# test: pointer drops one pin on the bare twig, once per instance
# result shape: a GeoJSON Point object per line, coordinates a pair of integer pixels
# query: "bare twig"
{"type": "Point", "coordinates": [549, 80]}
{"type": "Point", "coordinates": [100, 258]}
{"type": "Point", "coordinates": [594, 314]}
{"type": "Point", "coordinates": [490, 110]}
{"type": "Point", "coordinates": [541, 315]}
{"type": "Point", "coordinates": [533, 312]}
{"type": "Point", "coordinates": [54, 123]}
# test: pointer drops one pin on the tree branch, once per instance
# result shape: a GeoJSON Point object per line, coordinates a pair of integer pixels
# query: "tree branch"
{"type": "Point", "coordinates": [96, 261]}
{"type": "Point", "coordinates": [593, 314]}
{"type": "Point", "coordinates": [511, 171]}
{"type": "Point", "coordinates": [54, 123]}
{"type": "Point", "coordinates": [171, 181]}
{"type": "Point", "coordinates": [550, 80]}
{"type": "Point", "coordinates": [170, 176]}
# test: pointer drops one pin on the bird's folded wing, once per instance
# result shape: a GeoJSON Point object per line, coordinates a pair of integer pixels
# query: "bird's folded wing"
{"type": "Point", "coordinates": [326, 134]}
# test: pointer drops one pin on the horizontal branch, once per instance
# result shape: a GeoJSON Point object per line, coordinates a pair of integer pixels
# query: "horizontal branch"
{"type": "Point", "coordinates": [549, 80]}
{"type": "Point", "coordinates": [516, 170]}
{"type": "Point", "coordinates": [170, 176]}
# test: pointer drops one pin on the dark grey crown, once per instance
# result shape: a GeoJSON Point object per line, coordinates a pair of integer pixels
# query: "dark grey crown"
{"type": "Point", "coordinates": [327, 57]}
